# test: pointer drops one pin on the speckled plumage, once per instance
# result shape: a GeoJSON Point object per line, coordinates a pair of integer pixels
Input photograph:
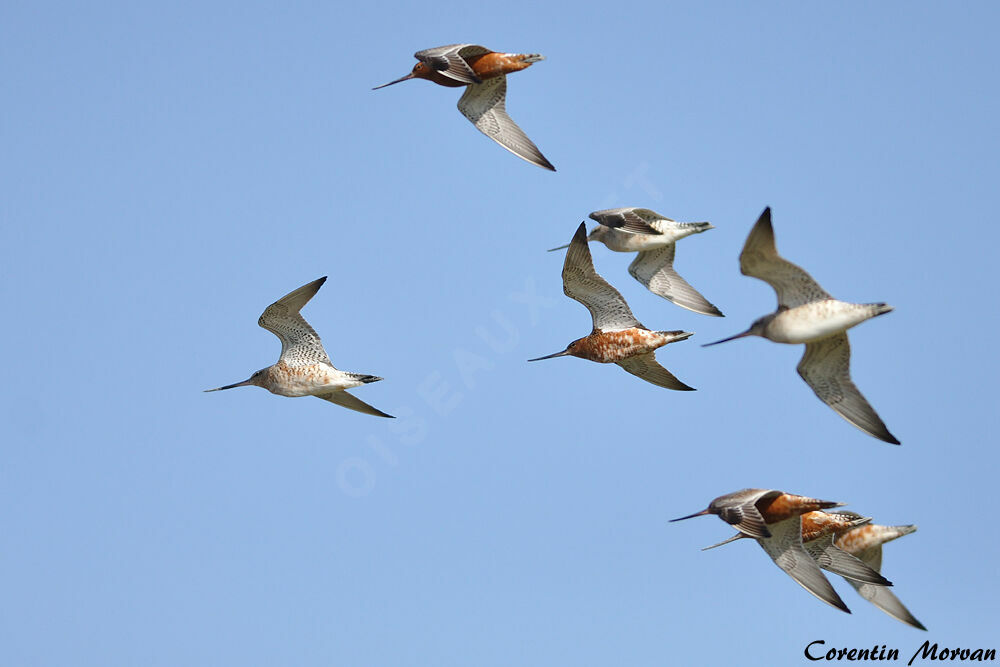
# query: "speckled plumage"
{"type": "Point", "coordinates": [808, 314]}
{"type": "Point", "coordinates": [303, 368]}
{"type": "Point", "coordinates": [617, 336]}
{"type": "Point", "coordinates": [819, 523]}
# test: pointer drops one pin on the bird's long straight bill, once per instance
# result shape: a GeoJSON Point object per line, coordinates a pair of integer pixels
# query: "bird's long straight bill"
{"type": "Point", "coordinates": [691, 516]}
{"type": "Point", "coordinates": [737, 536]}
{"type": "Point", "coordinates": [245, 383]}
{"type": "Point", "coordinates": [552, 356]}
{"type": "Point", "coordinates": [726, 340]}
{"type": "Point", "coordinates": [559, 248]}
{"type": "Point", "coordinates": [402, 78]}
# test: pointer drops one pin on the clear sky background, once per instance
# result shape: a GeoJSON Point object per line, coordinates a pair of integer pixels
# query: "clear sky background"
{"type": "Point", "coordinates": [169, 170]}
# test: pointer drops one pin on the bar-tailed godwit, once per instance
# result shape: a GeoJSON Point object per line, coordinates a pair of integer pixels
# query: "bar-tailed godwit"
{"type": "Point", "coordinates": [807, 314]}
{"type": "Point", "coordinates": [653, 236]}
{"type": "Point", "coordinates": [484, 74]}
{"type": "Point", "coordinates": [617, 337]}
{"type": "Point", "coordinates": [866, 542]}
{"type": "Point", "coordinates": [773, 518]}
{"type": "Point", "coordinates": [304, 369]}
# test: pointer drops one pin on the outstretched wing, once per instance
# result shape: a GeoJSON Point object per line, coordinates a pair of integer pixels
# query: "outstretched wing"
{"type": "Point", "coordinates": [838, 561]}
{"type": "Point", "coordinates": [484, 104]}
{"type": "Point", "coordinates": [300, 344]}
{"type": "Point", "coordinates": [351, 402]}
{"type": "Point", "coordinates": [450, 60]}
{"type": "Point", "coordinates": [825, 367]}
{"type": "Point", "coordinates": [886, 600]}
{"type": "Point", "coordinates": [655, 269]}
{"type": "Point", "coordinates": [580, 282]}
{"type": "Point", "coordinates": [786, 550]}
{"type": "Point", "coordinates": [760, 259]}
{"type": "Point", "coordinates": [646, 367]}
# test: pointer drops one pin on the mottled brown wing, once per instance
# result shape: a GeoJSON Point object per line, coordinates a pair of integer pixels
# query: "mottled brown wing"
{"type": "Point", "coordinates": [581, 283]}
{"type": "Point", "coordinates": [300, 344]}
{"type": "Point", "coordinates": [833, 559]}
{"type": "Point", "coordinates": [786, 550]}
{"type": "Point", "coordinates": [825, 367]}
{"type": "Point", "coordinates": [760, 259]}
{"type": "Point", "coordinates": [484, 104]}
{"type": "Point", "coordinates": [655, 270]}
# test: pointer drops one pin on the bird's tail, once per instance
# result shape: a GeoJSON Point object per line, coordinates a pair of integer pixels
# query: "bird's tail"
{"type": "Point", "coordinates": [363, 378]}
{"type": "Point", "coordinates": [879, 308]}
{"type": "Point", "coordinates": [676, 336]}
{"type": "Point", "coordinates": [529, 58]}
{"type": "Point", "coordinates": [698, 226]}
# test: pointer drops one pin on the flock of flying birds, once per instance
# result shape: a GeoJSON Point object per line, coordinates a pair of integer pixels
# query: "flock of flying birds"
{"type": "Point", "coordinates": [803, 539]}
{"type": "Point", "coordinates": [795, 531]}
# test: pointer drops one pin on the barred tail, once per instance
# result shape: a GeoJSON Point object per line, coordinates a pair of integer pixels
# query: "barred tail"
{"type": "Point", "coordinates": [699, 226]}
{"type": "Point", "coordinates": [879, 308]}
{"type": "Point", "coordinates": [676, 335]}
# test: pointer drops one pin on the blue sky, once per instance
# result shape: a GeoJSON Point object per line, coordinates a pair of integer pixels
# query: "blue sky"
{"type": "Point", "coordinates": [171, 170]}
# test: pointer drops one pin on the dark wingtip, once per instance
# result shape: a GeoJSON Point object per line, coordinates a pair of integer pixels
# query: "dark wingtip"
{"type": "Point", "coordinates": [764, 218]}
{"type": "Point", "coordinates": [885, 436]}
{"type": "Point", "coordinates": [714, 312]}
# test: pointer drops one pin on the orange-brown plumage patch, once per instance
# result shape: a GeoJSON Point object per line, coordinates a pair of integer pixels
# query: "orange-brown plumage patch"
{"type": "Point", "coordinates": [608, 347]}
{"type": "Point", "coordinates": [818, 524]}
{"type": "Point", "coordinates": [856, 540]}
{"type": "Point", "coordinates": [788, 505]}
{"type": "Point", "coordinates": [311, 372]}
{"type": "Point", "coordinates": [489, 65]}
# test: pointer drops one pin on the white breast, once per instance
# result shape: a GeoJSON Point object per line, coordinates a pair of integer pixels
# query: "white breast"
{"type": "Point", "coordinates": [815, 321]}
